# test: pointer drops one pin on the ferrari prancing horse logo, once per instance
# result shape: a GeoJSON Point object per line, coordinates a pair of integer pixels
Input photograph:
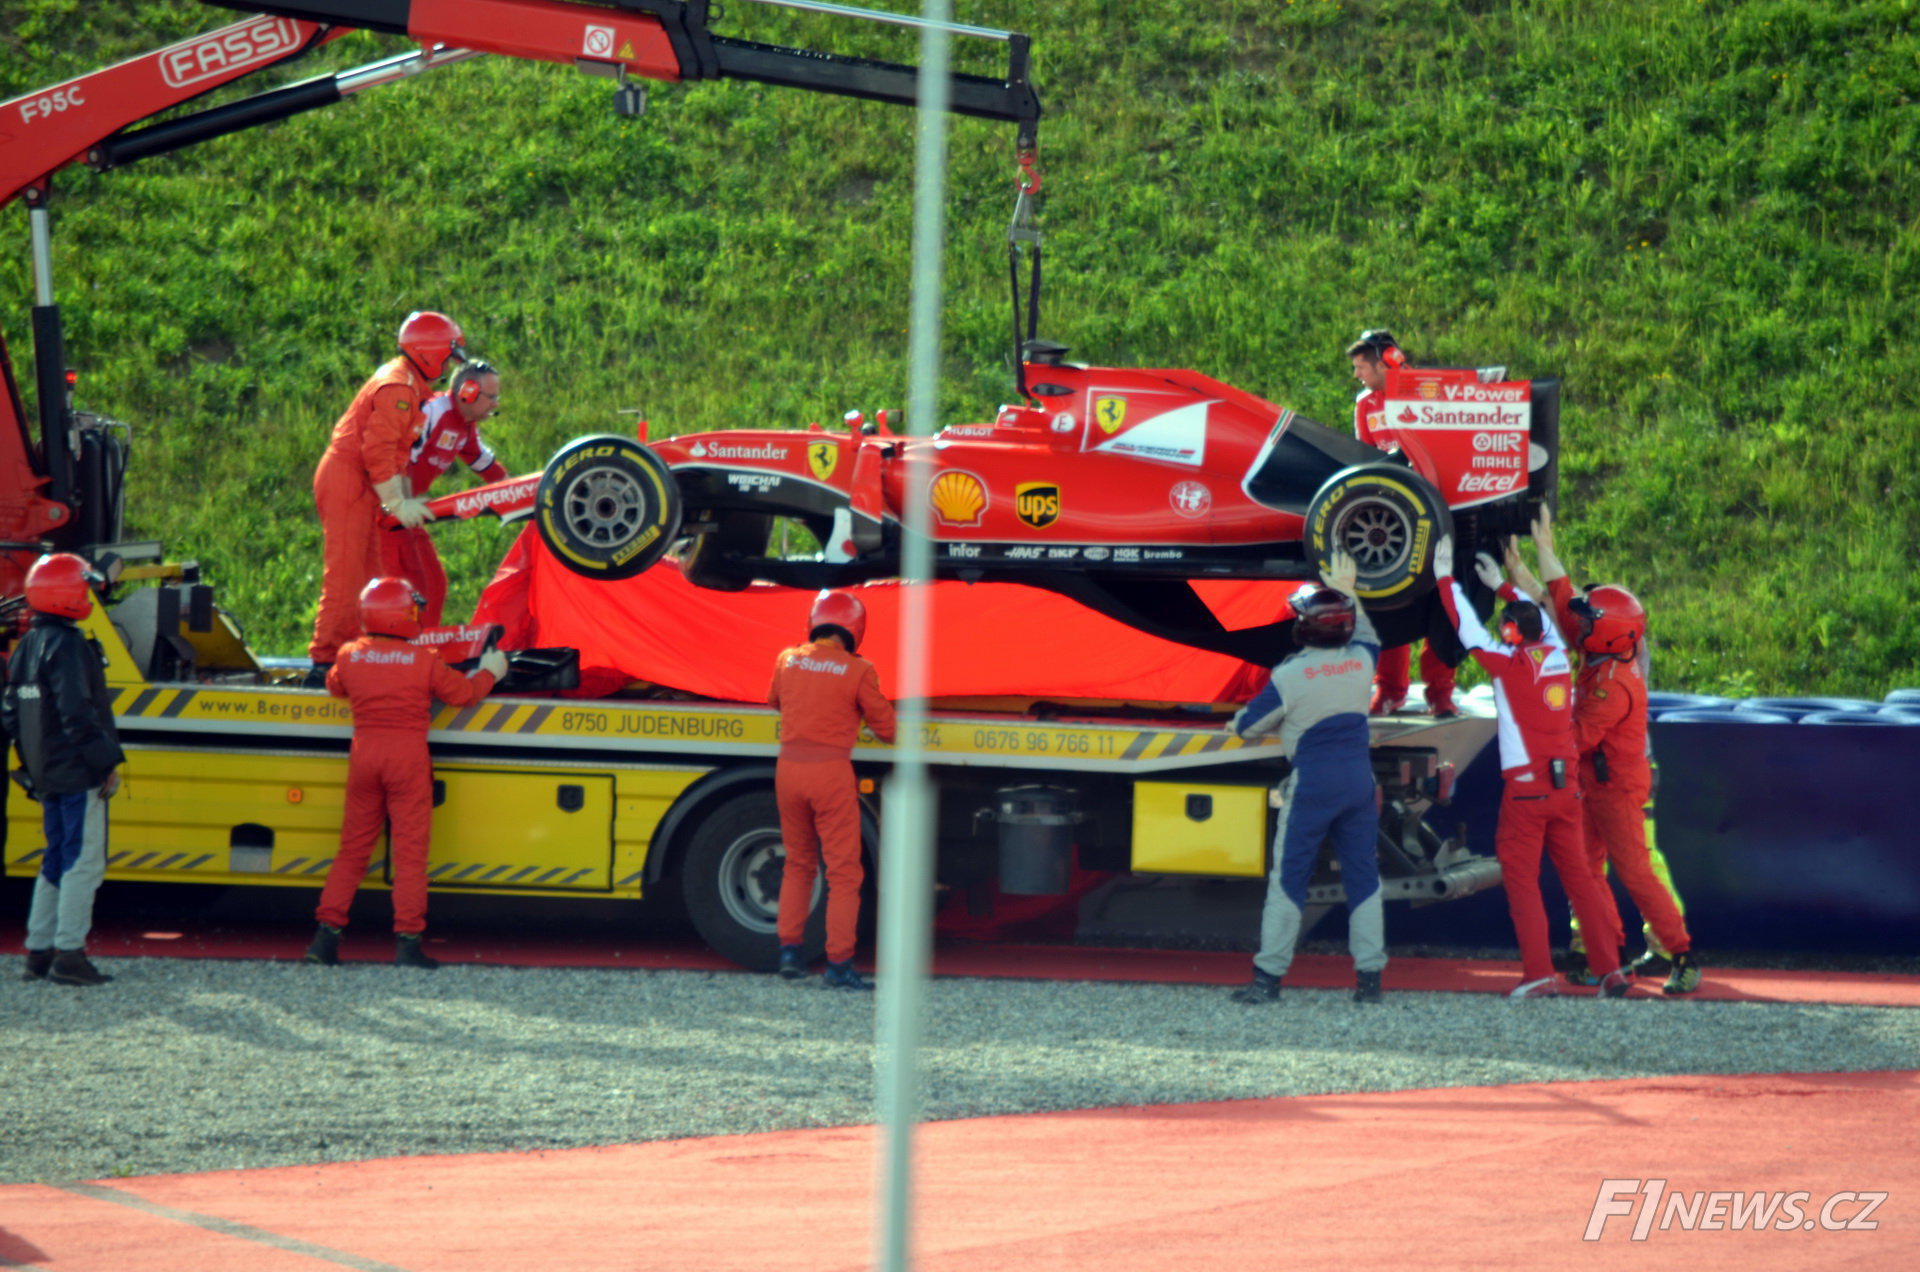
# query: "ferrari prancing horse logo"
{"type": "Point", "coordinates": [823, 457]}
{"type": "Point", "coordinates": [1111, 412]}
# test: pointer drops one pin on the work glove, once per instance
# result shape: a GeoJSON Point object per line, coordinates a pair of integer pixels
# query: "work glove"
{"type": "Point", "coordinates": [1489, 570]}
{"type": "Point", "coordinates": [494, 662]}
{"type": "Point", "coordinates": [400, 505]}
{"type": "Point", "coordinates": [1443, 557]}
{"type": "Point", "coordinates": [1341, 573]}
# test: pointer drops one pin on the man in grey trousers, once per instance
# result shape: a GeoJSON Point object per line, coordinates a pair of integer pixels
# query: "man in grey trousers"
{"type": "Point", "coordinates": [1317, 700]}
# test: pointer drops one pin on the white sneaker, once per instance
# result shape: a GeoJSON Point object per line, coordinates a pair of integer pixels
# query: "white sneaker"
{"type": "Point", "coordinates": [1542, 988]}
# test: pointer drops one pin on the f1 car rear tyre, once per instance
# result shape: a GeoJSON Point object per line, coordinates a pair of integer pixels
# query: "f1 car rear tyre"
{"type": "Point", "coordinates": [1387, 518]}
{"type": "Point", "coordinates": [607, 507]}
{"type": "Point", "coordinates": [730, 879]}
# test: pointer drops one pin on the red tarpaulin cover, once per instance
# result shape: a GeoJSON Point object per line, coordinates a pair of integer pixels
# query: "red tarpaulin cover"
{"type": "Point", "coordinates": [989, 639]}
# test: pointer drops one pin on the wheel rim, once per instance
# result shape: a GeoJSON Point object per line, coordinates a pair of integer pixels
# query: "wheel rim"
{"type": "Point", "coordinates": [604, 507]}
{"type": "Point", "coordinates": [750, 872]}
{"type": "Point", "coordinates": [1375, 532]}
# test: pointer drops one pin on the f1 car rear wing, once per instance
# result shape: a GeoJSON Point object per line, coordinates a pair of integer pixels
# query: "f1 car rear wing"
{"type": "Point", "coordinates": [1480, 437]}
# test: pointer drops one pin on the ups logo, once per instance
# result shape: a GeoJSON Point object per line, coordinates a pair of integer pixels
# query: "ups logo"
{"type": "Point", "coordinates": [1037, 503]}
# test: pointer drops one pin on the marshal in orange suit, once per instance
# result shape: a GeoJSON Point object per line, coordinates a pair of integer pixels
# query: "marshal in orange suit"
{"type": "Point", "coordinates": [824, 690]}
{"type": "Point", "coordinates": [363, 472]}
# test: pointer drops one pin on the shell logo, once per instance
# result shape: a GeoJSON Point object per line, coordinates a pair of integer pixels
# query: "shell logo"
{"type": "Point", "coordinates": [1429, 390]}
{"type": "Point", "coordinates": [958, 498]}
{"type": "Point", "coordinates": [1555, 696]}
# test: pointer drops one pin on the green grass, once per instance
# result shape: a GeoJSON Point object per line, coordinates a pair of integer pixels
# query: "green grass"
{"type": "Point", "coordinates": [1701, 214]}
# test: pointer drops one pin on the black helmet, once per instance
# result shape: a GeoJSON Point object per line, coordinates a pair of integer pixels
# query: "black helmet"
{"type": "Point", "coordinates": [1521, 620]}
{"type": "Point", "coordinates": [1373, 342]}
{"type": "Point", "coordinates": [1322, 616]}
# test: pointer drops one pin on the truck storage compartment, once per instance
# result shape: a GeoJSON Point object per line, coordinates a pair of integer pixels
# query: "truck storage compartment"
{"type": "Point", "coordinates": [1195, 828]}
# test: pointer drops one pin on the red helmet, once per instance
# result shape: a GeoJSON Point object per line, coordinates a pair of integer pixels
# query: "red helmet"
{"type": "Point", "coordinates": [391, 607]}
{"type": "Point", "coordinates": [842, 610]}
{"type": "Point", "coordinates": [62, 584]}
{"type": "Point", "coordinates": [430, 339]}
{"type": "Point", "coordinates": [1322, 616]}
{"type": "Point", "coordinates": [1612, 621]}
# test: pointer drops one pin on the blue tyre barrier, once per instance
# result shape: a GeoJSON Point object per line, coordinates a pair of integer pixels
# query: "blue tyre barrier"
{"type": "Point", "coordinates": [1659, 703]}
{"type": "Point", "coordinates": [1797, 707]}
{"type": "Point", "coordinates": [1903, 698]}
{"type": "Point", "coordinates": [1726, 717]}
{"type": "Point", "coordinates": [1858, 717]}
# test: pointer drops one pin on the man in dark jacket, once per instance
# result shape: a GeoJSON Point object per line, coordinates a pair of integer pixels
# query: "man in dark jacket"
{"type": "Point", "coordinates": [57, 710]}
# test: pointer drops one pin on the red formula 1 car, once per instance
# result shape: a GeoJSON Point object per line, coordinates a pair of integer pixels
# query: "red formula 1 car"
{"type": "Point", "coordinates": [1115, 487]}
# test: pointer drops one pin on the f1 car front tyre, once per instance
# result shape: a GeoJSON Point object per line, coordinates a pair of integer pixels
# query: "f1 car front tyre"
{"type": "Point", "coordinates": [607, 507]}
{"type": "Point", "coordinates": [1387, 518]}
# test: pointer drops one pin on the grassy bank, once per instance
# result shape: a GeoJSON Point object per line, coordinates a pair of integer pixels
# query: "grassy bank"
{"type": "Point", "coordinates": [1700, 214]}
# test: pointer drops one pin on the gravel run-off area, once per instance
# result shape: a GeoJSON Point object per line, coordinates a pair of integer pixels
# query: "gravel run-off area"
{"type": "Point", "coordinates": [196, 1065]}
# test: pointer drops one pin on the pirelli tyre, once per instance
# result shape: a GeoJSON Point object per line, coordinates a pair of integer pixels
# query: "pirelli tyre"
{"type": "Point", "coordinates": [1388, 519]}
{"type": "Point", "coordinates": [607, 507]}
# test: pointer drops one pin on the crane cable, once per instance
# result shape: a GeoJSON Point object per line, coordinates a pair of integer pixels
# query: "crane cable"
{"type": "Point", "coordinates": [1023, 232]}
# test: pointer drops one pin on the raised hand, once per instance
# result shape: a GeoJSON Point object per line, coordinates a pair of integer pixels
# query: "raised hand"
{"type": "Point", "coordinates": [1341, 573]}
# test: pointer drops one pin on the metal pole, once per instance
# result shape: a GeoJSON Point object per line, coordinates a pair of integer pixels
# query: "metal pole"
{"type": "Point", "coordinates": [40, 228]}
{"type": "Point", "coordinates": [906, 857]}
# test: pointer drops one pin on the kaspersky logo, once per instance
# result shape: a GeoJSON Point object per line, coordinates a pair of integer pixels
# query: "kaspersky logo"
{"type": "Point", "coordinates": [1037, 503]}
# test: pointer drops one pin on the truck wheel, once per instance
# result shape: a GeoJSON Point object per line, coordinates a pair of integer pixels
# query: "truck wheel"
{"type": "Point", "coordinates": [607, 507]}
{"type": "Point", "coordinates": [1387, 518]}
{"type": "Point", "coordinates": [730, 877]}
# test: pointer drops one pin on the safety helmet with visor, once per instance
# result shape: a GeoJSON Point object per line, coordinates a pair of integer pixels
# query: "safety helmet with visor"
{"type": "Point", "coordinates": [838, 613]}
{"type": "Point", "coordinates": [62, 584]}
{"type": "Point", "coordinates": [1323, 617]}
{"type": "Point", "coordinates": [430, 340]}
{"type": "Point", "coordinates": [390, 606]}
{"type": "Point", "coordinates": [1612, 621]}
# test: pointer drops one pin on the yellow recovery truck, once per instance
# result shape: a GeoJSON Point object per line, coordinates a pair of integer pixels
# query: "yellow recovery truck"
{"type": "Point", "coordinates": [233, 779]}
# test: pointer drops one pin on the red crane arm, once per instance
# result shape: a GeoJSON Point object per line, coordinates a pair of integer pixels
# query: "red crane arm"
{"type": "Point", "coordinates": [49, 128]}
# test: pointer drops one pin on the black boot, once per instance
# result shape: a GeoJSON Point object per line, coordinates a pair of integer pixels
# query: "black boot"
{"type": "Point", "coordinates": [407, 952]}
{"type": "Point", "coordinates": [842, 976]}
{"type": "Point", "coordinates": [70, 967]}
{"type": "Point", "coordinates": [325, 949]}
{"type": "Point", "coordinates": [39, 963]}
{"type": "Point", "coordinates": [793, 964]}
{"type": "Point", "coordinates": [1366, 987]}
{"type": "Point", "coordinates": [1261, 989]}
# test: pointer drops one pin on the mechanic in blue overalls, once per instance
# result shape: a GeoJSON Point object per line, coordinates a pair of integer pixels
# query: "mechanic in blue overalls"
{"type": "Point", "coordinates": [1317, 700]}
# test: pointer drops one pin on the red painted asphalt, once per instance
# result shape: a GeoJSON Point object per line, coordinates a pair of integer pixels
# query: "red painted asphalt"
{"type": "Point", "coordinates": [1458, 1180]}
{"type": "Point", "coordinates": [124, 937]}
